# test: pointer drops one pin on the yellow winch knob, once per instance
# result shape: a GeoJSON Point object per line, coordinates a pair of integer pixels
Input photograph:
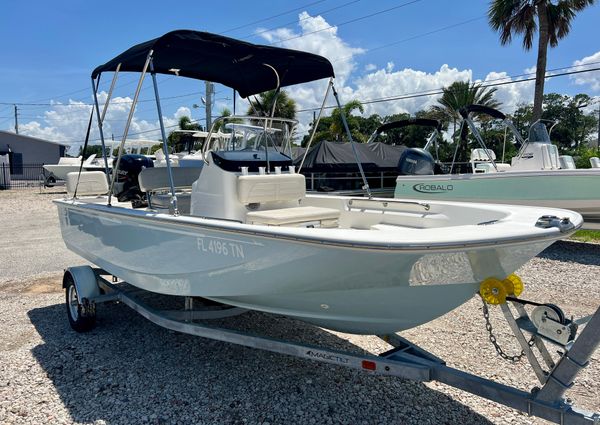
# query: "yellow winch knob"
{"type": "Point", "coordinates": [492, 291]}
{"type": "Point", "coordinates": [513, 285]}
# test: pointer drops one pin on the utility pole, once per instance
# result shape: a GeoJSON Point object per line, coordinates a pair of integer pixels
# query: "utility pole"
{"type": "Point", "coordinates": [208, 105]}
{"type": "Point", "coordinates": [234, 96]}
{"type": "Point", "coordinates": [16, 120]}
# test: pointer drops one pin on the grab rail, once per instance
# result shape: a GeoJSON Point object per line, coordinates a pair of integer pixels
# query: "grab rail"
{"type": "Point", "coordinates": [385, 203]}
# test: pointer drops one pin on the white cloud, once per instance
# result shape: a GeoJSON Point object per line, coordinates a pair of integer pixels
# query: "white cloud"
{"type": "Point", "coordinates": [68, 122]}
{"type": "Point", "coordinates": [592, 78]}
{"type": "Point", "coordinates": [386, 82]}
{"type": "Point", "coordinates": [510, 95]}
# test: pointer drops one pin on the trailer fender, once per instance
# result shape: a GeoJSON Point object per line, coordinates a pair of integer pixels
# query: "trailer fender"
{"type": "Point", "coordinates": [85, 281]}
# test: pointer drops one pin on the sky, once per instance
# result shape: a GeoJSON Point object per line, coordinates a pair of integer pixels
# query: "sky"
{"type": "Point", "coordinates": [378, 50]}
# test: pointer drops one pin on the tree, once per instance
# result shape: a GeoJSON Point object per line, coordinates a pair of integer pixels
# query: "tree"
{"type": "Point", "coordinates": [91, 149]}
{"type": "Point", "coordinates": [175, 139]}
{"type": "Point", "coordinates": [572, 127]}
{"type": "Point", "coordinates": [554, 18]}
{"type": "Point", "coordinates": [285, 107]}
{"type": "Point", "coordinates": [413, 136]}
{"type": "Point", "coordinates": [337, 129]}
{"type": "Point", "coordinates": [460, 94]}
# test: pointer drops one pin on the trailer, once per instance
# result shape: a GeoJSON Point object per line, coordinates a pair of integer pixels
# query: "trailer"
{"type": "Point", "coordinates": [534, 325]}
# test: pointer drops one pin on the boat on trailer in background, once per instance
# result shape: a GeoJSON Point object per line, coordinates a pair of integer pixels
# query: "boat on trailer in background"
{"type": "Point", "coordinates": [536, 176]}
{"type": "Point", "coordinates": [250, 238]}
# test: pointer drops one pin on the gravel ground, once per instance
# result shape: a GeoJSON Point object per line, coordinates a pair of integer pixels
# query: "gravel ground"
{"type": "Point", "coordinates": [129, 371]}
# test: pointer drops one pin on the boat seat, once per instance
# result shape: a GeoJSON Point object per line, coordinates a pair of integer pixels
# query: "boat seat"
{"type": "Point", "coordinates": [162, 201]}
{"type": "Point", "coordinates": [295, 217]}
{"type": "Point", "coordinates": [91, 183]}
{"type": "Point", "coordinates": [157, 178]}
{"type": "Point", "coordinates": [257, 188]}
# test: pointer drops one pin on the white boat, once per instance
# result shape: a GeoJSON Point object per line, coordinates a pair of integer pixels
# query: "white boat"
{"type": "Point", "coordinates": [68, 165]}
{"type": "Point", "coordinates": [253, 238]}
{"type": "Point", "coordinates": [536, 176]}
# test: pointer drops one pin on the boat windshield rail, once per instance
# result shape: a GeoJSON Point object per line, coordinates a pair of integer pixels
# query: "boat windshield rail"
{"type": "Point", "coordinates": [251, 133]}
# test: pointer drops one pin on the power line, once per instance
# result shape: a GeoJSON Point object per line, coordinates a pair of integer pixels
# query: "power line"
{"type": "Point", "coordinates": [431, 92]}
{"type": "Point", "coordinates": [224, 32]}
{"type": "Point", "coordinates": [272, 17]}
{"type": "Point", "coordinates": [254, 34]}
{"type": "Point", "coordinates": [360, 18]}
{"type": "Point", "coordinates": [438, 91]}
{"type": "Point", "coordinates": [423, 93]}
{"type": "Point", "coordinates": [280, 41]}
{"type": "Point", "coordinates": [404, 40]}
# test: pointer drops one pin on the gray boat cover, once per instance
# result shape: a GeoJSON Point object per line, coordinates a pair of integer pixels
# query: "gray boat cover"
{"type": "Point", "coordinates": [339, 157]}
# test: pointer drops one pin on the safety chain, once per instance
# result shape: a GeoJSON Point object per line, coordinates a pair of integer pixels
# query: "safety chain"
{"type": "Point", "coordinates": [501, 353]}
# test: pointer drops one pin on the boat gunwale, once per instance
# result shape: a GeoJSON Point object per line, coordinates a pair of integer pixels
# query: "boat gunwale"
{"type": "Point", "coordinates": [208, 223]}
{"type": "Point", "coordinates": [583, 172]}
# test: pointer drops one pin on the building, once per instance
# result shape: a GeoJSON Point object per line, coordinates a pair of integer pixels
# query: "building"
{"type": "Point", "coordinates": [27, 154]}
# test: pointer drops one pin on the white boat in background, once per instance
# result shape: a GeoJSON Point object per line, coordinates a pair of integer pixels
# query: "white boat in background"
{"type": "Point", "coordinates": [537, 175]}
{"type": "Point", "coordinates": [251, 236]}
{"type": "Point", "coordinates": [66, 165]}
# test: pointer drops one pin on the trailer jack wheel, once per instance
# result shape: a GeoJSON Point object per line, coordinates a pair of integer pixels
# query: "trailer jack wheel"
{"type": "Point", "coordinates": [81, 313]}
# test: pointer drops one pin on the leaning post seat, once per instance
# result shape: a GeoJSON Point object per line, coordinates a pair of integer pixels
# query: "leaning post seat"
{"type": "Point", "coordinates": [91, 183]}
{"type": "Point", "coordinates": [257, 188]}
{"type": "Point", "coordinates": [155, 180]}
{"type": "Point", "coordinates": [261, 189]}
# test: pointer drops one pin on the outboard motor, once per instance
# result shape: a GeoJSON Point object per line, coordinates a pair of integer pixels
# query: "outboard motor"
{"type": "Point", "coordinates": [415, 161]}
{"type": "Point", "coordinates": [127, 186]}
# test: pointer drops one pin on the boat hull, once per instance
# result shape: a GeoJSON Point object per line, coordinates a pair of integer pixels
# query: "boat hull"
{"type": "Point", "coordinates": [356, 290]}
{"type": "Point", "coordinates": [576, 190]}
{"type": "Point", "coordinates": [60, 171]}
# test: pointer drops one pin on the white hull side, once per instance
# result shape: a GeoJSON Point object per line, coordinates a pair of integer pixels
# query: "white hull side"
{"type": "Point", "coordinates": [576, 190]}
{"type": "Point", "coordinates": [61, 171]}
{"type": "Point", "coordinates": [357, 290]}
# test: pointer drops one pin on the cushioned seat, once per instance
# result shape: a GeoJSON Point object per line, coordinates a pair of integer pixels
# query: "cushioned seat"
{"type": "Point", "coordinates": [258, 188]}
{"type": "Point", "coordinates": [296, 217]}
{"type": "Point", "coordinates": [154, 178]}
{"type": "Point", "coordinates": [91, 183]}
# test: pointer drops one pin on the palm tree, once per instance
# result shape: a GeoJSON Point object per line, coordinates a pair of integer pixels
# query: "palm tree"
{"type": "Point", "coordinates": [285, 107]}
{"type": "Point", "coordinates": [337, 130]}
{"type": "Point", "coordinates": [553, 21]}
{"type": "Point", "coordinates": [460, 94]}
{"type": "Point", "coordinates": [185, 123]}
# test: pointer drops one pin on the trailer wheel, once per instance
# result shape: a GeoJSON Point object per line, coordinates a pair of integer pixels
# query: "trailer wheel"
{"type": "Point", "coordinates": [82, 315]}
{"type": "Point", "coordinates": [50, 181]}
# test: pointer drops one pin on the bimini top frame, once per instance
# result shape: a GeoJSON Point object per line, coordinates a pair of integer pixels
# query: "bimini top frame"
{"type": "Point", "coordinates": [494, 113]}
{"type": "Point", "coordinates": [421, 122]}
{"type": "Point", "coordinates": [247, 68]}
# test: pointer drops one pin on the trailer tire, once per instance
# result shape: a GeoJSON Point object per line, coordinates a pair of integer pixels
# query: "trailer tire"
{"type": "Point", "coordinates": [82, 315]}
{"type": "Point", "coordinates": [50, 181]}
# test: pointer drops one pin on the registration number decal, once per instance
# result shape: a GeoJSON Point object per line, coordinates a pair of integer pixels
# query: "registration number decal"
{"type": "Point", "coordinates": [222, 247]}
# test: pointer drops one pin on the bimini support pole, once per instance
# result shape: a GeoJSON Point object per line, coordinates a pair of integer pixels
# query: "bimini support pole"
{"type": "Point", "coordinates": [100, 118]}
{"type": "Point", "coordinates": [164, 138]}
{"type": "Point", "coordinates": [352, 143]}
{"type": "Point", "coordinates": [477, 135]}
{"type": "Point", "coordinates": [127, 124]}
{"type": "Point", "coordinates": [316, 123]}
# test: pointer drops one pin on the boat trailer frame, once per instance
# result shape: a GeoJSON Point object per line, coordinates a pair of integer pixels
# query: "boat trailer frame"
{"type": "Point", "coordinates": [406, 360]}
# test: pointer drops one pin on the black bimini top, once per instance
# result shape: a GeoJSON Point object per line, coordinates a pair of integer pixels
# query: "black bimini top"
{"type": "Point", "coordinates": [234, 63]}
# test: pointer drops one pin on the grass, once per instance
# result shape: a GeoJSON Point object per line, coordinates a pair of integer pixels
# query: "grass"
{"type": "Point", "coordinates": [587, 236]}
